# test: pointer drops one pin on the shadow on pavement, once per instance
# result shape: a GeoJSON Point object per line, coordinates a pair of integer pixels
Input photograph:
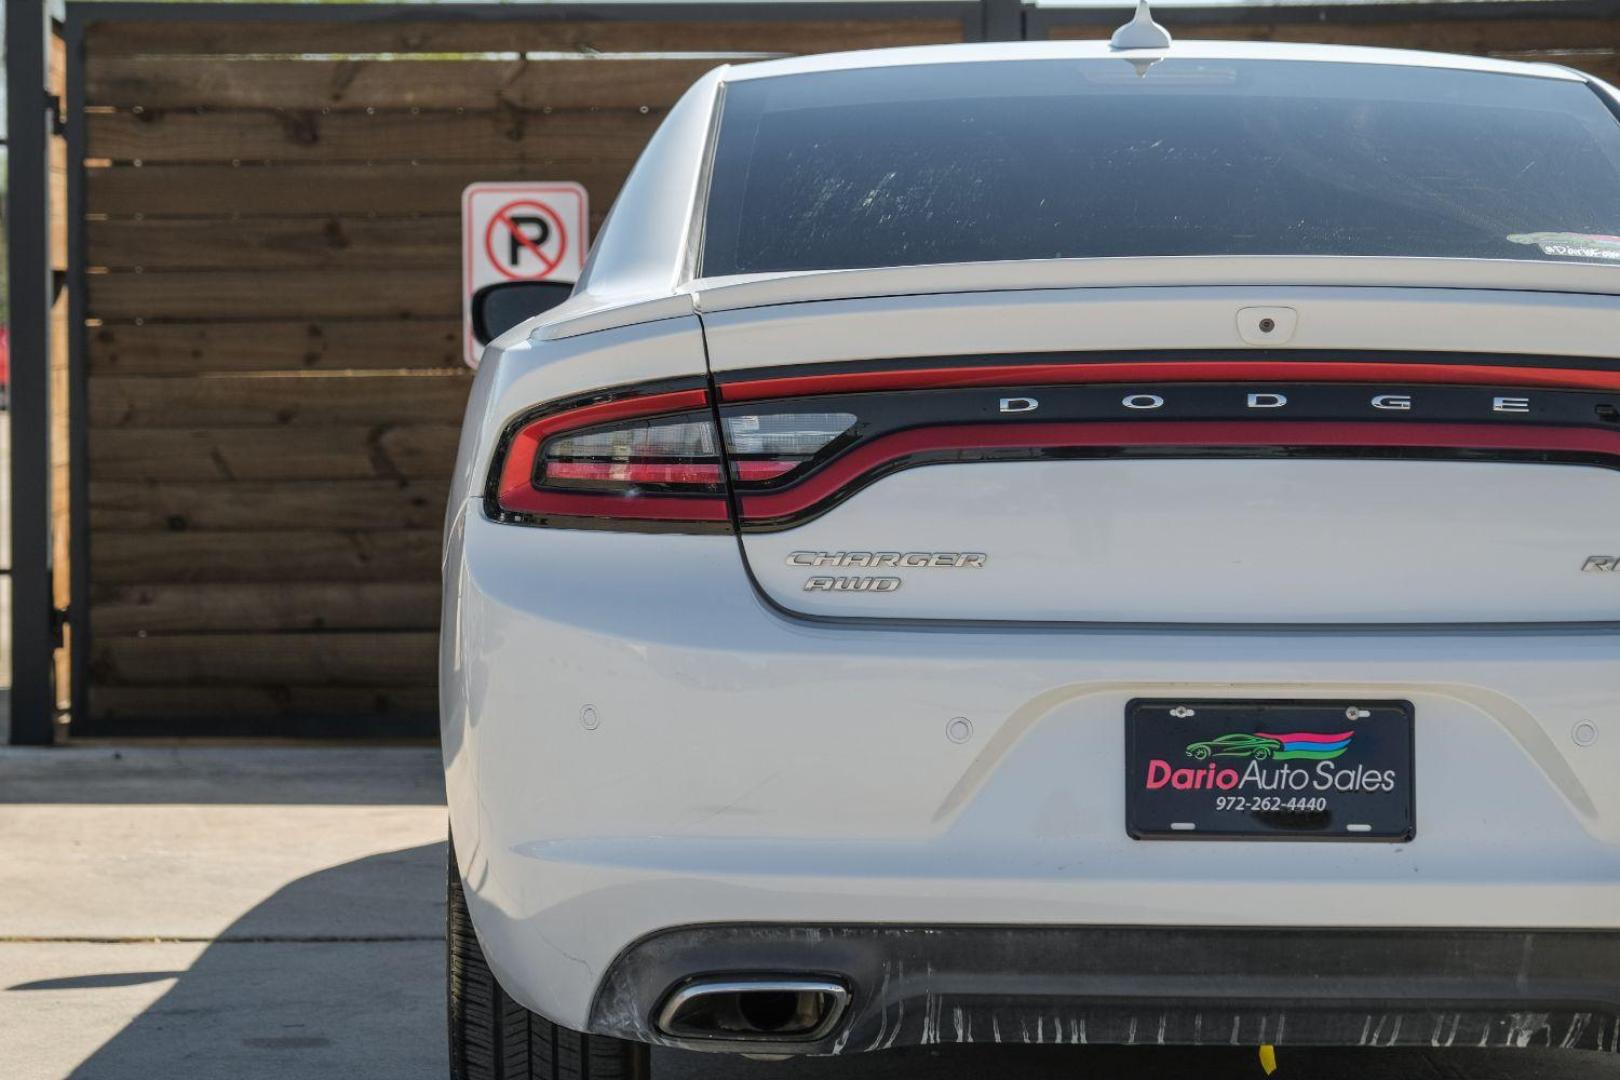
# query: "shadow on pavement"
{"type": "Point", "coordinates": [97, 982]}
{"type": "Point", "coordinates": [261, 1002]}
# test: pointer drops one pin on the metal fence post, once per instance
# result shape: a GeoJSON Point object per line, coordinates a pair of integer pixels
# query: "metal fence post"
{"type": "Point", "coordinates": [33, 697]}
{"type": "Point", "coordinates": [1003, 20]}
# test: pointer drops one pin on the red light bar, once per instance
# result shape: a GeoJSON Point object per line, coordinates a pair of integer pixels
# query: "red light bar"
{"type": "Point", "coordinates": [845, 382]}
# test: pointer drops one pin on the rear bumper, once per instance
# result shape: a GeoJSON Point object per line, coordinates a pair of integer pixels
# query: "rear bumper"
{"type": "Point", "coordinates": [634, 742]}
{"type": "Point", "coordinates": [913, 986]}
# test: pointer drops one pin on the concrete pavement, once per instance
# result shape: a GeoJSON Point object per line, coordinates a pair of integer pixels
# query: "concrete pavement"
{"type": "Point", "coordinates": [277, 914]}
{"type": "Point", "coordinates": [221, 913]}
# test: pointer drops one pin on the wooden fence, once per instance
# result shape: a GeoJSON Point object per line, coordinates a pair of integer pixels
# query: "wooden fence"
{"type": "Point", "coordinates": [273, 355]}
{"type": "Point", "coordinates": [270, 239]}
{"type": "Point", "coordinates": [1554, 33]}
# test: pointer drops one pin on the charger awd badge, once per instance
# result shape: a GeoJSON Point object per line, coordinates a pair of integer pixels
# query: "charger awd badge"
{"type": "Point", "coordinates": [875, 560]}
{"type": "Point", "coordinates": [852, 584]}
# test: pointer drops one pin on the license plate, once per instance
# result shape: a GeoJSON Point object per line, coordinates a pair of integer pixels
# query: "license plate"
{"type": "Point", "coordinates": [1276, 770]}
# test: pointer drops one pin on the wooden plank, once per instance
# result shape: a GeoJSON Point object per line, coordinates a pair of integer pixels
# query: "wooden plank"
{"type": "Point", "coordinates": [333, 243]}
{"type": "Point", "coordinates": [382, 450]}
{"type": "Point", "coordinates": [163, 609]}
{"type": "Point", "coordinates": [1470, 36]}
{"type": "Point", "coordinates": [56, 63]}
{"type": "Point", "coordinates": [57, 236]}
{"type": "Point", "coordinates": [266, 505]}
{"type": "Point", "coordinates": [219, 83]}
{"type": "Point", "coordinates": [404, 658]}
{"type": "Point", "coordinates": [339, 345]}
{"type": "Point", "coordinates": [271, 294]}
{"type": "Point", "coordinates": [537, 31]}
{"type": "Point", "coordinates": [306, 556]}
{"type": "Point", "coordinates": [293, 711]}
{"type": "Point", "coordinates": [338, 136]}
{"type": "Point", "coordinates": [313, 398]}
{"type": "Point", "coordinates": [268, 190]}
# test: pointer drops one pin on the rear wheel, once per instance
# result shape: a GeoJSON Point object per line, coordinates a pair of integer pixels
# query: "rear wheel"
{"type": "Point", "coordinates": [492, 1037]}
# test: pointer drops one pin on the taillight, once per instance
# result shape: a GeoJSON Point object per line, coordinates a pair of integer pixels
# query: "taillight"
{"type": "Point", "coordinates": [768, 448]}
{"type": "Point", "coordinates": [642, 458]}
{"type": "Point", "coordinates": [652, 458]}
{"type": "Point", "coordinates": [674, 454]}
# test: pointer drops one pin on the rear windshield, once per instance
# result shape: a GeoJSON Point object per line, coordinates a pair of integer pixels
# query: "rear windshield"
{"type": "Point", "coordinates": [1064, 159]}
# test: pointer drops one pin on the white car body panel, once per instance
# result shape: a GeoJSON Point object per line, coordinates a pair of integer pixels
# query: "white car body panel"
{"type": "Point", "coordinates": [634, 268]}
{"type": "Point", "coordinates": [1219, 541]}
{"type": "Point", "coordinates": [749, 767]}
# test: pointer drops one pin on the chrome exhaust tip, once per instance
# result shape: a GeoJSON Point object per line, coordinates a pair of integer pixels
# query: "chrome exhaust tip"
{"type": "Point", "coordinates": [754, 1009]}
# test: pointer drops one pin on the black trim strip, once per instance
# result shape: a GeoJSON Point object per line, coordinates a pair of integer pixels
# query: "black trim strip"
{"type": "Point", "coordinates": [1082, 358]}
{"type": "Point", "coordinates": [887, 413]}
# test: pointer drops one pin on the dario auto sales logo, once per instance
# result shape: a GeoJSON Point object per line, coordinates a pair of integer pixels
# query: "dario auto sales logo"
{"type": "Point", "coordinates": [1273, 747]}
{"type": "Point", "coordinates": [1269, 765]}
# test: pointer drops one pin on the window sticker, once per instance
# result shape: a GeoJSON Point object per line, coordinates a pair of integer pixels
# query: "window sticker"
{"type": "Point", "coordinates": [1572, 245]}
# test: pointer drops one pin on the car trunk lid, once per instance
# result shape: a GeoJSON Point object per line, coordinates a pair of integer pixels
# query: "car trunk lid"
{"type": "Point", "coordinates": [1217, 484]}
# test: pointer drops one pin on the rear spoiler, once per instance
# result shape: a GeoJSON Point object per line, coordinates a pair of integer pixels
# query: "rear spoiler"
{"type": "Point", "coordinates": [760, 290]}
{"type": "Point", "coordinates": [586, 315]}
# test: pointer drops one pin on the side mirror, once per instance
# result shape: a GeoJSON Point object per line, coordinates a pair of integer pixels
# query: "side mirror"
{"type": "Point", "coordinates": [498, 308]}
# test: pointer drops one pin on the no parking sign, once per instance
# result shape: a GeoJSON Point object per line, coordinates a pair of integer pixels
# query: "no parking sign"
{"type": "Point", "coordinates": [515, 232]}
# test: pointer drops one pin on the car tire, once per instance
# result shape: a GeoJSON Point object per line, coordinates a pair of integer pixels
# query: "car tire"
{"type": "Point", "coordinates": [492, 1037]}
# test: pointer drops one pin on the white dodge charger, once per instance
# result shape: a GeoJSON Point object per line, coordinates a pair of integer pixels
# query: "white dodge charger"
{"type": "Point", "coordinates": [1053, 542]}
